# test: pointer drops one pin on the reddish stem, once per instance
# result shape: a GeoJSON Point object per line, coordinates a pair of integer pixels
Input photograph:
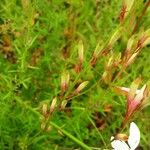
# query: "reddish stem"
{"type": "Point", "coordinates": [140, 17]}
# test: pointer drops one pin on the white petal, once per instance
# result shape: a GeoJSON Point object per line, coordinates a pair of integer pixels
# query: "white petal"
{"type": "Point", "coordinates": [134, 136]}
{"type": "Point", "coordinates": [140, 94]}
{"type": "Point", "coordinates": [127, 90]}
{"type": "Point", "coordinates": [119, 145]}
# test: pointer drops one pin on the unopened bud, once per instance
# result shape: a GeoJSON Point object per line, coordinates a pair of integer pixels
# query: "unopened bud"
{"type": "Point", "coordinates": [122, 13]}
{"type": "Point", "coordinates": [131, 59]}
{"type": "Point", "coordinates": [97, 50]}
{"type": "Point", "coordinates": [115, 37]}
{"type": "Point", "coordinates": [130, 43]}
{"type": "Point", "coordinates": [110, 62]}
{"type": "Point", "coordinates": [82, 86]}
{"type": "Point", "coordinates": [44, 109]}
{"type": "Point", "coordinates": [65, 77]}
{"type": "Point", "coordinates": [80, 51]}
{"type": "Point", "coordinates": [126, 7]}
{"type": "Point", "coordinates": [144, 39]}
{"type": "Point", "coordinates": [146, 96]}
{"type": "Point", "coordinates": [63, 104]}
{"type": "Point", "coordinates": [53, 104]}
{"type": "Point", "coordinates": [141, 42]}
{"type": "Point", "coordinates": [78, 68]}
{"type": "Point", "coordinates": [107, 76]}
{"type": "Point", "coordinates": [116, 59]}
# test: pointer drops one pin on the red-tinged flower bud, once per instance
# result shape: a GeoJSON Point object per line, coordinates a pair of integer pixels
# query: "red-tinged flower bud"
{"type": "Point", "coordinates": [141, 42]}
{"type": "Point", "coordinates": [137, 99]}
{"type": "Point", "coordinates": [122, 13]}
{"type": "Point", "coordinates": [78, 68]}
{"type": "Point", "coordinates": [138, 102]}
{"type": "Point", "coordinates": [93, 61]}
{"type": "Point", "coordinates": [65, 77]}
{"type": "Point", "coordinates": [97, 52]}
{"type": "Point", "coordinates": [126, 7]}
{"type": "Point", "coordinates": [134, 104]}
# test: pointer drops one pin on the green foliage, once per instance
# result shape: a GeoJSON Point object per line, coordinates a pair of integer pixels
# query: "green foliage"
{"type": "Point", "coordinates": [39, 41]}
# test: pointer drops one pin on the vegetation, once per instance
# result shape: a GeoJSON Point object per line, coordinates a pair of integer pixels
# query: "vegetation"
{"type": "Point", "coordinates": [62, 66]}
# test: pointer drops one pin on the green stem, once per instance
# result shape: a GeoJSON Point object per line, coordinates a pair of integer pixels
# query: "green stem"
{"type": "Point", "coordinates": [141, 16]}
{"type": "Point", "coordinates": [119, 73]}
{"type": "Point", "coordinates": [71, 137]}
{"type": "Point", "coordinates": [56, 126]}
{"type": "Point", "coordinates": [98, 131]}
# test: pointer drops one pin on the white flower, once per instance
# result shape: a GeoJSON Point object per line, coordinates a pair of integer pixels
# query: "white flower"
{"type": "Point", "coordinates": [131, 143]}
{"type": "Point", "coordinates": [137, 99]}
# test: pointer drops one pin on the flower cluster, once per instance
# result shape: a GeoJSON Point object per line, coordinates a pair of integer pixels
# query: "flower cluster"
{"type": "Point", "coordinates": [137, 99]}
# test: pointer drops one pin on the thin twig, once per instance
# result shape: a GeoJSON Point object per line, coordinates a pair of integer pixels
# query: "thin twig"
{"type": "Point", "coordinates": [141, 16]}
{"type": "Point", "coordinates": [71, 136]}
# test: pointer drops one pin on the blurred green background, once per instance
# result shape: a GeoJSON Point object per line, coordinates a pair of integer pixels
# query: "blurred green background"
{"type": "Point", "coordinates": [38, 41]}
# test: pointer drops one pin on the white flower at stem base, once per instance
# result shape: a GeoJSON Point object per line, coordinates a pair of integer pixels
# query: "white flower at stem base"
{"type": "Point", "coordinates": [132, 142]}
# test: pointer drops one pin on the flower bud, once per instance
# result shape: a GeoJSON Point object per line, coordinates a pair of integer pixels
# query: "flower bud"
{"type": "Point", "coordinates": [115, 37]}
{"type": "Point", "coordinates": [82, 86]}
{"type": "Point", "coordinates": [107, 76]}
{"type": "Point", "coordinates": [97, 50]}
{"type": "Point", "coordinates": [130, 43]}
{"type": "Point", "coordinates": [144, 39]}
{"type": "Point", "coordinates": [65, 77]}
{"type": "Point", "coordinates": [44, 109]}
{"type": "Point", "coordinates": [63, 104]}
{"type": "Point", "coordinates": [53, 104]}
{"type": "Point", "coordinates": [131, 59]}
{"type": "Point", "coordinates": [126, 7]}
{"type": "Point", "coordinates": [80, 51]}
